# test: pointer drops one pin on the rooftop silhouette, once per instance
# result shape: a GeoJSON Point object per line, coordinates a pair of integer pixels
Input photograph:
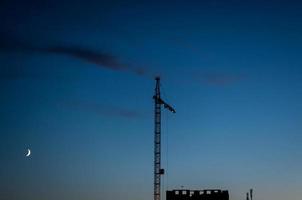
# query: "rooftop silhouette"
{"type": "Point", "coordinates": [210, 194]}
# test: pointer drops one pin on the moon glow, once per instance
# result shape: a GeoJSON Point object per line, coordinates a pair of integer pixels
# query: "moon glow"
{"type": "Point", "coordinates": [28, 153]}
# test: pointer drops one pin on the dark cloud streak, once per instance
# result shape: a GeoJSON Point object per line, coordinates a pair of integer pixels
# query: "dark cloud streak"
{"type": "Point", "coordinates": [101, 59]}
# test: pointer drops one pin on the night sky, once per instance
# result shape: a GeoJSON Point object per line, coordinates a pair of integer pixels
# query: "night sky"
{"type": "Point", "coordinates": [77, 80]}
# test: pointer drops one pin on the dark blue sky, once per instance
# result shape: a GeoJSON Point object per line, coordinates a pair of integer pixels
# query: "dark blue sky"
{"type": "Point", "coordinates": [76, 79]}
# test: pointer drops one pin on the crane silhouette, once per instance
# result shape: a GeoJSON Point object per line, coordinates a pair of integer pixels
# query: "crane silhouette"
{"type": "Point", "coordinates": [158, 171]}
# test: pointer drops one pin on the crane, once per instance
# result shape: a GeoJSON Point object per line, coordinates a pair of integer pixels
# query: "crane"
{"type": "Point", "coordinates": [158, 171]}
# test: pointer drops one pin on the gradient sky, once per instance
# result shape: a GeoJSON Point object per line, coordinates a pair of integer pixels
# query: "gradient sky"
{"type": "Point", "coordinates": [76, 80]}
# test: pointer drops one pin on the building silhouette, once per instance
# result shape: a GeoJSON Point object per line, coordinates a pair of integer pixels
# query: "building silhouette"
{"type": "Point", "coordinates": [197, 195]}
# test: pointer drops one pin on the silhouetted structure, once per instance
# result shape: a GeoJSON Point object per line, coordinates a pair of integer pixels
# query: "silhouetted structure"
{"type": "Point", "coordinates": [251, 194]}
{"type": "Point", "coordinates": [158, 171]}
{"type": "Point", "coordinates": [197, 195]}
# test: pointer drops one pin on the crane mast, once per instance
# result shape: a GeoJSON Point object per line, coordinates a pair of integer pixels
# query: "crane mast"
{"type": "Point", "coordinates": [158, 171]}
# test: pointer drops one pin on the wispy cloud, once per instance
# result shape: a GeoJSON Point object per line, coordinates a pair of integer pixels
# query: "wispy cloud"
{"type": "Point", "coordinates": [89, 55]}
{"type": "Point", "coordinates": [101, 59]}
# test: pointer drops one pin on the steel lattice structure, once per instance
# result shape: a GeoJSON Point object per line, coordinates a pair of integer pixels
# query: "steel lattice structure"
{"type": "Point", "coordinates": [158, 171]}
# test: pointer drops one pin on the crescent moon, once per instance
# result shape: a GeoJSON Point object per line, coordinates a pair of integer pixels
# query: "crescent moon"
{"type": "Point", "coordinates": [28, 153]}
